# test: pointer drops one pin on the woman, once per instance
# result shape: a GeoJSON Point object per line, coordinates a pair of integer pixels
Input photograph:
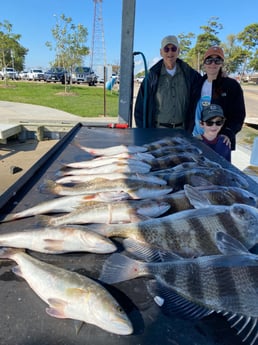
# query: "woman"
{"type": "Point", "coordinates": [217, 88]}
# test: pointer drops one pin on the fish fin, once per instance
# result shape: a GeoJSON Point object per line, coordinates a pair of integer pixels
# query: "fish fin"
{"type": "Point", "coordinates": [118, 268]}
{"type": "Point", "coordinates": [229, 245]}
{"type": "Point", "coordinates": [196, 199]}
{"type": "Point", "coordinates": [56, 308]}
{"type": "Point", "coordinates": [147, 252]}
{"type": "Point", "coordinates": [247, 327]}
{"type": "Point", "coordinates": [54, 245]}
{"type": "Point", "coordinates": [173, 304]}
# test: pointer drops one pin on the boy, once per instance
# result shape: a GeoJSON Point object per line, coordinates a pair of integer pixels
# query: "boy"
{"type": "Point", "coordinates": [212, 120]}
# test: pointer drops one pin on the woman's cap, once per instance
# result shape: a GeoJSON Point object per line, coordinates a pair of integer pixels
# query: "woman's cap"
{"type": "Point", "coordinates": [212, 110]}
{"type": "Point", "coordinates": [215, 50]}
{"type": "Point", "coordinates": [169, 40]}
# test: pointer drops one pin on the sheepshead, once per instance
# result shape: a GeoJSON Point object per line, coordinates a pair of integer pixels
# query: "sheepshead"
{"type": "Point", "coordinates": [114, 176]}
{"type": "Point", "coordinates": [69, 294]}
{"type": "Point", "coordinates": [111, 151]}
{"type": "Point", "coordinates": [195, 288]}
{"type": "Point", "coordinates": [115, 212]}
{"type": "Point", "coordinates": [166, 141]}
{"type": "Point", "coordinates": [190, 232]}
{"type": "Point", "coordinates": [58, 240]}
{"type": "Point", "coordinates": [203, 176]}
{"type": "Point", "coordinates": [204, 196]}
{"type": "Point", "coordinates": [64, 204]}
{"type": "Point", "coordinates": [123, 166]}
{"type": "Point", "coordinates": [137, 189]}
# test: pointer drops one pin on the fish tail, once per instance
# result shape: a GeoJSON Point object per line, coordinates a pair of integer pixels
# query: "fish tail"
{"type": "Point", "coordinates": [118, 268]}
{"type": "Point", "coordinates": [7, 253]}
{"type": "Point", "coordinates": [4, 218]}
{"type": "Point", "coordinates": [50, 186]}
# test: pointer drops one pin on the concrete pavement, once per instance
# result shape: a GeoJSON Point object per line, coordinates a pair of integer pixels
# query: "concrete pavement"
{"type": "Point", "coordinates": [18, 113]}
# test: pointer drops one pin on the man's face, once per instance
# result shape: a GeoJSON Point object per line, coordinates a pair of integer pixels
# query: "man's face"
{"type": "Point", "coordinates": [169, 54]}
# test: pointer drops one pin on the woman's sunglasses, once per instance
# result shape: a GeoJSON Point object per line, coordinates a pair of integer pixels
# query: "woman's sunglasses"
{"type": "Point", "coordinates": [217, 61]}
{"type": "Point", "coordinates": [210, 123]}
{"type": "Point", "coordinates": [167, 49]}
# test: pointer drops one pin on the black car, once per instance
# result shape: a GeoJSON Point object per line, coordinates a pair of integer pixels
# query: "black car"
{"type": "Point", "coordinates": [56, 74]}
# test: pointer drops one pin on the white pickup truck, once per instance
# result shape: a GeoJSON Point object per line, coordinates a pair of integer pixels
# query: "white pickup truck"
{"type": "Point", "coordinates": [35, 74]}
{"type": "Point", "coordinates": [9, 72]}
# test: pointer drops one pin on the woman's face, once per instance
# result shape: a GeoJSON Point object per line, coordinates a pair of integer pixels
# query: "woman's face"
{"type": "Point", "coordinates": [212, 65]}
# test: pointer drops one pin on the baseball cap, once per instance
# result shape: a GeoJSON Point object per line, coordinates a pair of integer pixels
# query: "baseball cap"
{"type": "Point", "coordinates": [215, 50]}
{"type": "Point", "coordinates": [169, 40]}
{"type": "Point", "coordinates": [212, 110]}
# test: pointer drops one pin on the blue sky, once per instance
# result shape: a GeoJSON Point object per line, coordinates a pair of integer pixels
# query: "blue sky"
{"type": "Point", "coordinates": [34, 19]}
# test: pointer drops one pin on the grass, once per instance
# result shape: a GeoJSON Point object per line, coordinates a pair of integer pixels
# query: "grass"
{"type": "Point", "coordinates": [80, 100]}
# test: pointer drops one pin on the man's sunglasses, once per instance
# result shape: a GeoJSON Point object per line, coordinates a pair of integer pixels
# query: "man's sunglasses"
{"type": "Point", "coordinates": [217, 61]}
{"type": "Point", "coordinates": [210, 123]}
{"type": "Point", "coordinates": [167, 49]}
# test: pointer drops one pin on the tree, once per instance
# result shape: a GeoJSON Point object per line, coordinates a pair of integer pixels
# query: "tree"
{"type": "Point", "coordinates": [249, 39]}
{"type": "Point", "coordinates": [12, 54]}
{"type": "Point", "coordinates": [69, 43]}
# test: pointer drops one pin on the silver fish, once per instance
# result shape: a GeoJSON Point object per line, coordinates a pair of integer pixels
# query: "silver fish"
{"type": "Point", "coordinates": [191, 232]}
{"type": "Point", "coordinates": [115, 212]}
{"type": "Point", "coordinates": [64, 204]}
{"type": "Point", "coordinates": [69, 294]}
{"type": "Point", "coordinates": [137, 189]}
{"type": "Point", "coordinates": [58, 240]}
{"type": "Point", "coordinates": [125, 166]}
{"type": "Point", "coordinates": [113, 176]}
{"type": "Point", "coordinates": [226, 284]}
{"type": "Point", "coordinates": [110, 151]}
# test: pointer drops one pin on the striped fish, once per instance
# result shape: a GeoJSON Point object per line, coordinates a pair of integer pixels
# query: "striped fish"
{"type": "Point", "coordinates": [191, 232]}
{"type": "Point", "coordinates": [194, 288]}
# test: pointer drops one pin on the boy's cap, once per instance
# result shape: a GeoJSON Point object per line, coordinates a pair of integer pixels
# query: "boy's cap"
{"type": "Point", "coordinates": [169, 40]}
{"type": "Point", "coordinates": [215, 50]}
{"type": "Point", "coordinates": [211, 111]}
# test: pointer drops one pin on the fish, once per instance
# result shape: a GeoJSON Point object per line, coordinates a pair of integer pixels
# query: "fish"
{"type": "Point", "coordinates": [113, 176]}
{"type": "Point", "coordinates": [70, 295]}
{"type": "Point", "coordinates": [132, 166]}
{"type": "Point", "coordinates": [97, 162]}
{"type": "Point", "coordinates": [175, 149]}
{"type": "Point", "coordinates": [226, 283]}
{"type": "Point", "coordinates": [188, 233]}
{"type": "Point", "coordinates": [203, 196]}
{"type": "Point", "coordinates": [204, 176]}
{"type": "Point", "coordinates": [115, 212]}
{"type": "Point", "coordinates": [63, 204]}
{"type": "Point", "coordinates": [58, 240]}
{"type": "Point", "coordinates": [110, 151]}
{"type": "Point", "coordinates": [136, 189]}
{"type": "Point", "coordinates": [166, 141]}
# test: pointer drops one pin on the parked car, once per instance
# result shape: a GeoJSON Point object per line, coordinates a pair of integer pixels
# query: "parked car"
{"type": "Point", "coordinates": [23, 75]}
{"type": "Point", "coordinates": [56, 74]}
{"type": "Point", "coordinates": [35, 74]}
{"type": "Point", "coordinates": [140, 79]}
{"type": "Point", "coordinates": [84, 75]}
{"type": "Point", "coordinates": [9, 72]}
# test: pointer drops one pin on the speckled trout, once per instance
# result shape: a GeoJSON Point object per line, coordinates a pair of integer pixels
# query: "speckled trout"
{"type": "Point", "coordinates": [191, 232]}
{"type": "Point", "coordinates": [69, 294]}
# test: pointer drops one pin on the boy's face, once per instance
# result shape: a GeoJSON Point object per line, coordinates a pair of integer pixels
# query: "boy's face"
{"type": "Point", "coordinates": [213, 125]}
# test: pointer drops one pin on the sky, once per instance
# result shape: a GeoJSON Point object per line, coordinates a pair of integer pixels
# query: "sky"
{"type": "Point", "coordinates": [34, 19]}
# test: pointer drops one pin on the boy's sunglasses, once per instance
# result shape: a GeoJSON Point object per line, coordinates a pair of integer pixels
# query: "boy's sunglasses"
{"type": "Point", "coordinates": [210, 123]}
{"type": "Point", "coordinates": [167, 49]}
{"type": "Point", "coordinates": [217, 61]}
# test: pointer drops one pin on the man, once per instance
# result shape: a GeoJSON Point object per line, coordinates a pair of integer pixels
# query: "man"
{"type": "Point", "coordinates": [166, 100]}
